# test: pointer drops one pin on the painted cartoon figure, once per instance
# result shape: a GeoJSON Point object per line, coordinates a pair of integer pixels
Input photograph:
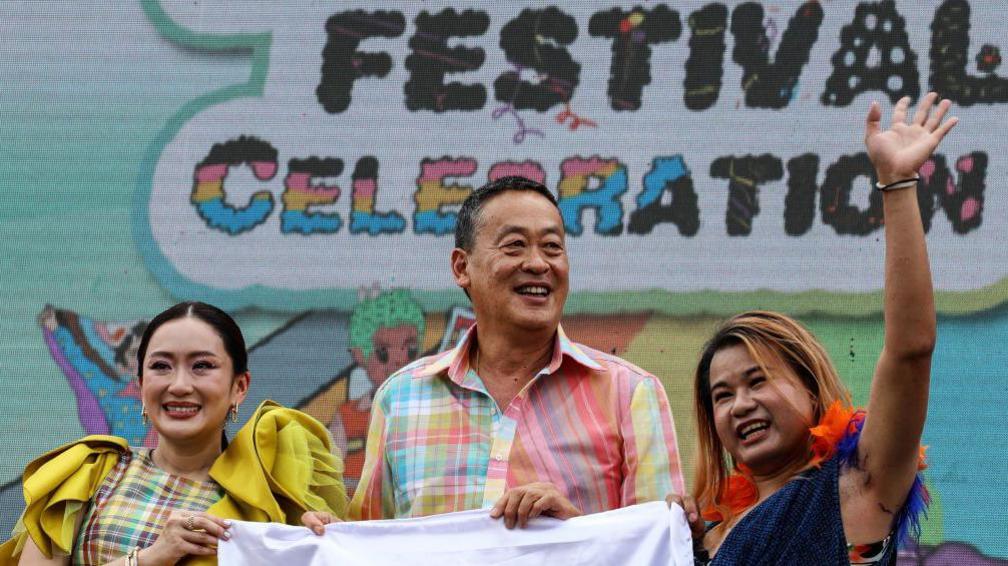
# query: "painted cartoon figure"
{"type": "Point", "coordinates": [99, 362]}
{"type": "Point", "coordinates": [385, 334]}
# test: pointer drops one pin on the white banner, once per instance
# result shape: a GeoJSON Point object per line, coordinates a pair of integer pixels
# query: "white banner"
{"type": "Point", "coordinates": [649, 534]}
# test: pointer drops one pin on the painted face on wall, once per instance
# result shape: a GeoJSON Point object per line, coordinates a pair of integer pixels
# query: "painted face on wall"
{"type": "Point", "coordinates": [126, 363]}
{"type": "Point", "coordinates": [763, 421]}
{"type": "Point", "coordinates": [391, 349]}
{"type": "Point", "coordinates": [516, 273]}
{"type": "Point", "coordinates": [188, 382]}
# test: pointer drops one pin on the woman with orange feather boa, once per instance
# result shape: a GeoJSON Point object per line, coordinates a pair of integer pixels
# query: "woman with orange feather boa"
{"type": "Point", "coordinates": [788, 471]}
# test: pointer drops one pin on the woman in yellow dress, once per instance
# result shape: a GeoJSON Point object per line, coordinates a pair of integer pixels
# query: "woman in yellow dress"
{"type": "Point", "coordinates": [100, 501]}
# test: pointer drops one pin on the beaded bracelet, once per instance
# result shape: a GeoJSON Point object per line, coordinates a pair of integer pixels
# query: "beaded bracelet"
{"type": "Point", "coordinates": [901, 184]}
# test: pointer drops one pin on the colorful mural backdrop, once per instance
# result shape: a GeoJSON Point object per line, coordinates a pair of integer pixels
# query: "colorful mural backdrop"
{"type": "Point", "coordinates": [301, 165]}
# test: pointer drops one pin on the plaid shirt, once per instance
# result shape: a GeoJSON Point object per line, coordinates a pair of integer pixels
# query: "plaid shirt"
{"type": "Point", "coordinates": [593, 425]}
{"type": "Point", "coordinates": [132, 505]}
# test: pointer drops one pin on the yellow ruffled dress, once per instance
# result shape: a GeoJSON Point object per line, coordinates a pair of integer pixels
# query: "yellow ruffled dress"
{"type": "Point", "coordinates": [279, 465]}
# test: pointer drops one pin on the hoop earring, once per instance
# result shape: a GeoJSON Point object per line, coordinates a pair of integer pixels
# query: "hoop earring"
{"type": "Point", "coordinates": [233, 413]}
{"type": "Point", "coordinates": [143, 415]}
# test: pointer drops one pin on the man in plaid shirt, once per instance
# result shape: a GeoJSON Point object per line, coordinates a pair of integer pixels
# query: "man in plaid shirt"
{"type": "Point", "coordinates": [517, 418]}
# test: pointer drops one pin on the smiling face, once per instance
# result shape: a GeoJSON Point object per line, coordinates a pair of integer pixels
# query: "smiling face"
{"type": "Point", "coordinates": [188, 382]}
{"type": "Point", "coordinates": [762, 421]}
{"type": "Point", "coordinates": [516, 273]}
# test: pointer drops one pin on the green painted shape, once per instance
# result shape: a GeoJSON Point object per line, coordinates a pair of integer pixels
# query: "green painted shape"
{"type": "Point", "coordinates": [933, 527]}
{"type": "Point", "coordinates": [854, 345]}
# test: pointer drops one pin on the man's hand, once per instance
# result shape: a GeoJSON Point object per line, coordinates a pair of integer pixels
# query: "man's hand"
{"type": "Point", "coordinates": [693, 517]}
{"type": "Point", "coordinates": [520, 504]}
{"type": "Point", "coordinates": [317, 520]}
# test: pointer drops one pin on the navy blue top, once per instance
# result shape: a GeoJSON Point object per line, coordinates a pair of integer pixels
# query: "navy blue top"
{"type": "Point", "coordinates": [800, 524]}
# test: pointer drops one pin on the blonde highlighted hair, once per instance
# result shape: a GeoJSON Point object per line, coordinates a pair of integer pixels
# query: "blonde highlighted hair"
{"type": "Point", "coordinates": [770, 338]}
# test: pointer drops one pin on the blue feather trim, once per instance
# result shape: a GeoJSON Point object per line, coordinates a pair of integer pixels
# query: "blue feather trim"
{"type": "Point", "coordinates": [908, 518]}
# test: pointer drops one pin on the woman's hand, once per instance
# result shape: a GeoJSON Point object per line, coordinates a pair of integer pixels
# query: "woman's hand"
{"type": "Point", "coordinates": [185, 533]}
{"type": "Point", "coordinates": [317, 520]}
{"type": "Point", "coordinates": [897, 153]}
{"type": "Point", "coordinates": [873, 491]}
{"type": "Point", "coordinates": [689, 507]}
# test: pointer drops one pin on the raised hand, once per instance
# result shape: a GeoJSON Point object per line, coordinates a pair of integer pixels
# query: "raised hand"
{"type": "Point", "coordinates": [897, 153]}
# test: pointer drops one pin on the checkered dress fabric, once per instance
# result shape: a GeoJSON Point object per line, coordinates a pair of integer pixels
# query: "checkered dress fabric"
{"type": "Point", "coordinates": [132, 505]}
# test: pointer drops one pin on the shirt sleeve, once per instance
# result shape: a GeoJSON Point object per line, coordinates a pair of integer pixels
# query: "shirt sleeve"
{"type": "Point", "coordinates": [651, 454]}
{"type": "Point", "coordinates": [374, 497]}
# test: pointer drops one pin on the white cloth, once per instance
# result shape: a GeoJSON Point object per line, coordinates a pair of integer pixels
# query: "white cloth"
{"type": "Point", "coordinates": [649, 534]}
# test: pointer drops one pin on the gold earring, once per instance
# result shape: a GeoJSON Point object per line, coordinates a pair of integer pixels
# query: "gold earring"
{"type": "Point", "coordinates": [233, 413]}
{"type": "Point", "coordinates": [143, 415]}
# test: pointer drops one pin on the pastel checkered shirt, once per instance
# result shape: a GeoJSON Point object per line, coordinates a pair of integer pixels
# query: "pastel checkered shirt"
{"type": "Point", "coordinates": [593, 425]}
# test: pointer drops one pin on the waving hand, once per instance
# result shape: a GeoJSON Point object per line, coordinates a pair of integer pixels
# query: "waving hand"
{"type": "Point", "coordinates": [899, 152]}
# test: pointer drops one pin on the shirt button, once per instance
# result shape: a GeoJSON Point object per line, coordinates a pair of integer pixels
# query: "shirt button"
{"type": "Point", "coordinates": [498, 457]}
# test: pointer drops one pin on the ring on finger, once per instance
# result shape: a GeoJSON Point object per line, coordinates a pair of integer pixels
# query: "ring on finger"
{"type": "Point", "coordinates": [188, 523]}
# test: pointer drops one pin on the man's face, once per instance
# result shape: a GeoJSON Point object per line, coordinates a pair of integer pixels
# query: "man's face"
{"type": "Point", "coordinates": [516, 273]}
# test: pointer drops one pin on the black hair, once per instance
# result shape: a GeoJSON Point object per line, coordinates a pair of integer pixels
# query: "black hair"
{"type": "Point", "coordinates": [220, 321]}
{"type": "Point", "coordinates": [469, 214]}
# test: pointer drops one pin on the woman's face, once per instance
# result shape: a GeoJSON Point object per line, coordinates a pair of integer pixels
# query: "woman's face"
{"type": "Point", "coordinates": [188, 382]}
{"type": "Point", "coordinates": [762, 422]}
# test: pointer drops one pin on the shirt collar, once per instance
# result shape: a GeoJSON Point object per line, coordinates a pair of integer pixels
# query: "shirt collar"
{"type": "Point", "coordinates": [456, 360]}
